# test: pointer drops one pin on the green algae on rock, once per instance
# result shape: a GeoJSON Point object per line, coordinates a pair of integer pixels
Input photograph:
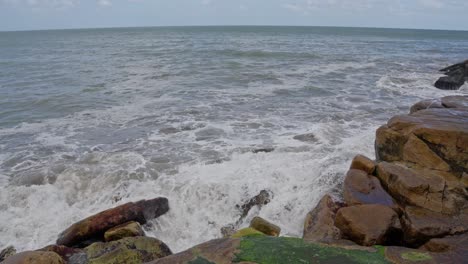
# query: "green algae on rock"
{"type": "Point", "coordinates": [249, 231]}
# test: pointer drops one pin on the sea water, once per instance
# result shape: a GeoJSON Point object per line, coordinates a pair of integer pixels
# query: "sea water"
{"type": "Point", "coordinates": [94, 118]}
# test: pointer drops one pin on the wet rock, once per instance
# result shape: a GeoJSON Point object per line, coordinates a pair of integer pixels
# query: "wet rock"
{"type": "Point", "coordinates": [421, 225]}
{"type": "Point", "coordinates": [426, 104]}
{"type": "Point", "coordinates": [5, 253]}
{"type": "Point", "coordinates": [306, 138]}
{"type": "Point", "coordinates": [319, 225]}
{"type": "Point", "coordinates": [94, 226]}
{"type": "Point", "coordinates": [65, 252]}
{"type": "Point", "coordinates": [127, 250]}
{"type": "Point", "coordinates": [456, 101]}
{"type": "Point", "coordinates": [259, 200]}
{"type": "Point", "coordinates": [34, 257]}
{"type": "Point", "coordinates": [363, 163]}
{"type": "Point", "coordinates": [265, 227]}
{"type": "Point", "coordinates": [368, 225]}
{"type": "Point", "coordinates": [362, 188]}
{"type": "Point", "coordinates": [430, 189]}
{"type": "Point", "coordinates": [263, 150]}
{"type": "Point", "coordinates": [129, 229]}
{"type": "Point", "coordinates": [407, 255]}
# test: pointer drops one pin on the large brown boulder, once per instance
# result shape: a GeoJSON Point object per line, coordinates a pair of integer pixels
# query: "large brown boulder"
{"type": "Point", "coordinates": [63, 251]}
{"type": "Point", "coordinates": [435, 138]}
{"type": "Point", "coordinates": [369, 224]}
{"type": "Point", "coordinates": [34, 257]}
{"type": "Point", "coordinates": [320, 222]}
{"type": "Point", "coordinates": [420, 225]}
{"type": "Point", "coordinates": [95, 226]}
{"type": "Point", "coordinates": [363, 163]}
{"type": "Point", "coordinates": [431, 189]}
{"type": "Point", "coordinates": [362, 188]}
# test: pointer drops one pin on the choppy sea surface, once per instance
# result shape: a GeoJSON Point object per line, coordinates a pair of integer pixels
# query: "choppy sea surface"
{"type": "Point", "coordinates": [90, 119]}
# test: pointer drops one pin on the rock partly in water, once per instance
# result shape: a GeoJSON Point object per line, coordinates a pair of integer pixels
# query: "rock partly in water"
{"type": "Point", "coordinates": [361, 188]}
{"type": "Point", "coordinates": [310, 138]}
{"type": "Point", "coordinates": [95, 226]}
{"type": "Point", "coordinates": [319, 225]}
{"type": "Point", "coordinates": [34, 257]}
{"type": "Point", "coordinates": [265, 227]}
{"type": "Point", "coordinates": [259, 200]}
{"type": "Point", "coordinates": [129, 229]}
{"type": "Point", "coordinates": [369, 225]}
{"type": "Point", "coordinates": [133, 250]}
{"type": "Point", "coordinates": [426, 104]}
{"type": "Point", "coordinates": [5, 253]}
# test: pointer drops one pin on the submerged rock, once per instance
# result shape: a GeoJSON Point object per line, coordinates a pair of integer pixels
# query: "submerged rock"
{"type": "Point", "coordinates": [129, 229]}
{"type": "Point", "coordinates": [34, 257]}
{"type": "Point", "coordinates": [319, 225]}
{"type": "Point", "coordinates": [95, 226]}
{"type": "Point", "coordinates": [306, 138]}
{"type": "Point", "coordinates": [265, 227]}
{"type": "Point", "coordinates": [368, 225]}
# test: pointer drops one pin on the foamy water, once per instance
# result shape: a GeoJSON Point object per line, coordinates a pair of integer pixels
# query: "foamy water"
{"type": "Point", "coordinates": [90, 119]}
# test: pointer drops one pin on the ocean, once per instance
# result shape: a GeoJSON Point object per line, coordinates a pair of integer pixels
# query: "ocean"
{"type": "Point", "coordinates": [94, 118]}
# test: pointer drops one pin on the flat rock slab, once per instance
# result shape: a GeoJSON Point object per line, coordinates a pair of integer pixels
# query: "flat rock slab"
{"type": "Point", "coordinates": [267, 249]}
{"type": "Point", "coordinates": [95, 226]}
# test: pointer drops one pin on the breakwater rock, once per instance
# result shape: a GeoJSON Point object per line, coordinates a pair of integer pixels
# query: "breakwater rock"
{"type": "Point", "coordinates": [410, 205]}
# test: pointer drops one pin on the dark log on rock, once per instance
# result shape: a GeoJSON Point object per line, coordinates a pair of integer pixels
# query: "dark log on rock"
{"type": "Point", "coordinates": [95, 226]}
{"type": "Point", "coordinates": [457, 74]}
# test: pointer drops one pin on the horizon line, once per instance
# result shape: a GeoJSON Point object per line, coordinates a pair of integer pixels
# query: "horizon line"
{"type": "Point", "coordinates": [188, 26]}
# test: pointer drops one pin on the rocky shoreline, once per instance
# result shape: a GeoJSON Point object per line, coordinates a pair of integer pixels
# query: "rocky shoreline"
{"type": "Point", "coordinates": [410, 205]}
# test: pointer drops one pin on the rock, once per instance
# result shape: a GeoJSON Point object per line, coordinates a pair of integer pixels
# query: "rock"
{"type": "Point", "coordinates": [361, 188]}
{"type": "Point", "coordinates": [34, 257]}
{"type": "Point", "coordinates": [259, 200]}
{"type": "Point", "coordinates": [448, 243]}
{"type": "Point", "coordinates": [306, 138]}
{"type": "Point", "coordinates": [133, 250]}
{"type": "Point", "coordinates": [433, 132]}
{"type": "Point", "coordinates": [129, 229]}
{"type": "Point", "coordinates": [249, 231]}
{"type": "Point", "coordinates": [407, 255]}
{"type": "Point", "coordinates": [5, 253]}
{"type": "Point", "coordinates": [456, 75]}
{"type": "Point", "coordinates": [420, 225]}
{"type": "Point", "coordinates": [430, 189]}
{"type": "Point", "coordinates": [456, 101]}
{"type": "Point", "coordinates": [267, 249]}
{"type": "Point", "coordinates": [368, 225]}
{"type": "Point", "coordinates": [265, 227]}
{"type": "Point", "coordinates": [426, 104]}
{"type": "Point", "coordinates": [363, 163]}
{"type": "Point", "coordinates": [95, 226]}
{"type": "Point", "coordinates": [263, 150]}
{"type": "Point", "coordinates": [65, 252]}
{"type": "Point", "coordinates": [319, 225]}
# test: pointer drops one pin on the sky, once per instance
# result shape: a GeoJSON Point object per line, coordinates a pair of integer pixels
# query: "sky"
{"type": "Point", "coordinates": [59, 14]}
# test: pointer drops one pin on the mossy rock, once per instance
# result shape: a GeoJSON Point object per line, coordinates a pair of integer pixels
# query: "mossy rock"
{"type": "Point", "coordinates": [247, 232]}
{"type": "Point", "coordinates": [127, 250]}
